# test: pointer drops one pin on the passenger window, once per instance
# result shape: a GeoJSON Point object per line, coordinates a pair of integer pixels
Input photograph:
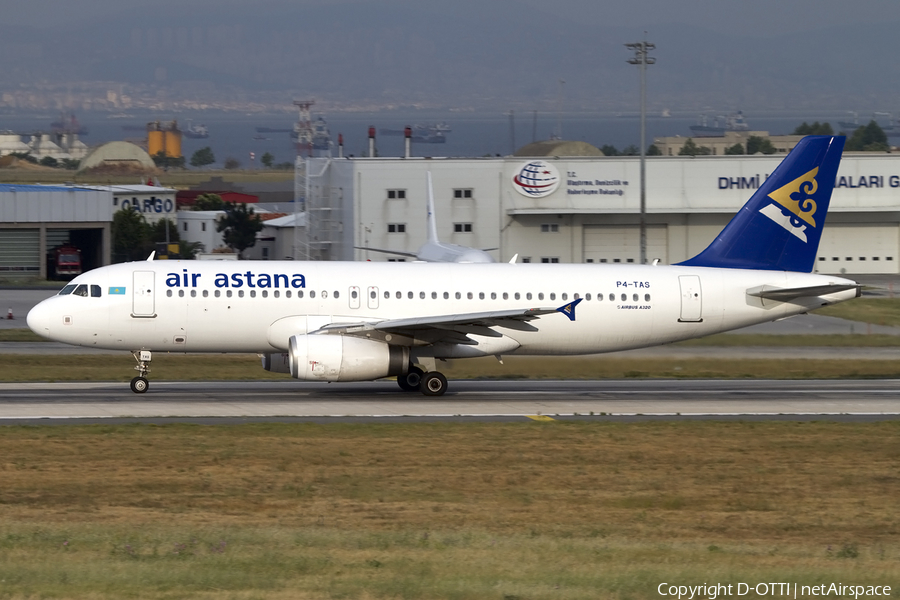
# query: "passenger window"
{"type": "Point", "coordinates": [481, 295]}
{"type": "Point", "coordinates": [95, 291]}
{"type": "Point", "coordinates": [275, 294]}
{"type": "Point", "coordinates": [565, 296]}
{"type": "Point", "coordinates": [541, 296]}
{"type": "Point", "coordinates": [312, 294]}
{"type": "Point", "coordinates": [421, 295]}
{"type": "Point", "coordinates": [399, 295]}
{"type": "Point", "coordinates": [458, 295]}
{"type": "Point", "coordinates": [193, 293]}
{"type": "Point", "coordinates": [228, 293]}
{"type": "Point", "coordinates": [387, 295]}
{"type": "Point", "coordinates": [434, 295]}
{"type": "Point", "coordinates": [446, 295]}
{"type": "Point", "coordinates": [253, 293]}
{"type": "Point", "coordinates": [300, 294]}
{"type": "Point", "coordinates": [169, 293]}
{"type": "Point", "coordinates": [634, 298]}
{"type": "Point", "coordinates": [517, 296]}
{"type": "Point", "coordinates": [612, 297]}
{"type": "Point", "coordinates": [353, 294]}
{"type": "Point", "coordinates": [264, 293]}
{"type": "Point", "coordinates": [505, 295]}
{"type": "Point", "coordinates": [528, 296]}
{"type": "Point", "coordinates": [287, 294]}
{"type": "Point", "coordinates": [217, 293]}
{"type": "Point", "coordinates": [624, 297]}
{"type": "Point", "coordinates": [587, 297]}
{"type": "Point", "coordinates": [240, 293]}
{"type": "Point", "coordinates": [67, 290]}
{"type": "Point", "coordinates": [324, 294]}
{"type": "Point", "coordinates": [371, 295]}
{"type": "Point", "coordinates": [553, 295]}
{"type": "Point", "coordinates": [409, 295]}
{"type": "Point", "coordinates": [181, 293]}
{"type": "Point", "coordinates": [337, 294]}
{"type": "Point", "coordinates": [493, 295]}
{"type": "Point", "coordinates": [205, 293]}
{"type": "Point", "coordinates": [646, 297]}
{"type": "Point", "coordinates": [599, 297]}
{"type": "Point", "coordinates": [81, 290]}
{"type": "Point", "coordinates": [469, 295]}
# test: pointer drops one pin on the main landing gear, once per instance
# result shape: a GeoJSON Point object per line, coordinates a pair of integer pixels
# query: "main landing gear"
{"type": "Point", "coordinates": [140, 383]}
{"type": "Point", "coordinates": [431, 383]}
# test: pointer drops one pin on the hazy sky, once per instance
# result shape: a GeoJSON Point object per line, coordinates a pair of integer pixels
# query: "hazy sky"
{"type": "Point", "coordinates": [741, 18]}
{"type": "Point", "coordinates": [762, 54]}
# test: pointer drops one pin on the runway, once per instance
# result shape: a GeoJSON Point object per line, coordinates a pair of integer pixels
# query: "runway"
{"type": "Point", "coordinates": [480, 400]}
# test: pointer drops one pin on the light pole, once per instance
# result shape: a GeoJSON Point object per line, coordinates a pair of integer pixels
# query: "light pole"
{"type": "Point", "coordinates": [641, 59]}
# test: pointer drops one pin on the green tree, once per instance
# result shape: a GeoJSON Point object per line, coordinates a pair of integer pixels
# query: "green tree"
{"type": "Point", "coordinates": [690, 148]}
{"type": "Point", "coordinates": [232, 163]}
{"type": "Point", "coordinates": [760, 145]}
{"type": "Point", "coordinates": [203, 157]}
{"type": "Point", "coordinates": [736, 149]}
{"type": "Point", "coordinates": [49, 161]}
{"type": "Point", "coordinates": [164, 161]}
{"type": "Point", "coordinates": [869, 138]}
{"type": "Point", "coordinates": [209, 202]}
{"type": "Point", "coordinates": [158, 231]}
{"type": "Point", "coordinates": [653, 150]}
{"type": "Point", "coordinates": [70, 164]}
{"type": "Point", "coordinates": [631, 151]}
{"type": "Point", "coordinates": [267, 160]}
{"type": "Point", "coordinates": [814, 129]}
{"type": "Point", "coordinates": [188, 250]}
{"type": "Point", "coordinates": [609, 150]}
{"type": "Point", "coordinates": [130, 236]}
{"type": "Point", "coordinates": [239, 227]}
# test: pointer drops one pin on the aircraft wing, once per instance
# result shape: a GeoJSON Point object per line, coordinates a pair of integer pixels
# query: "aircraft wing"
{"type": "Point", "coordinates": [453, 328]}
{"type": "Point", "coordinates": [397, 252]}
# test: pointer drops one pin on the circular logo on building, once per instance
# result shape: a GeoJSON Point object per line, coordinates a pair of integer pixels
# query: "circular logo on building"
{"type": "Point", "coordinates": [536, 179]}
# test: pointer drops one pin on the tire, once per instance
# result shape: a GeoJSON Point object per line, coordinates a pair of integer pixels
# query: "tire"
{"type": "Point", "coordinates": [434, 384]}
{"type": "Point", "coordinates": [139, 385]}
{"type": "Point", "coordinates": [412, 381]}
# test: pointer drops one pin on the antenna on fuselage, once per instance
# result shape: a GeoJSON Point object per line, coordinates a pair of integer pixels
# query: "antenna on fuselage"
{"type": "Point", "coordinates": [152, 254]}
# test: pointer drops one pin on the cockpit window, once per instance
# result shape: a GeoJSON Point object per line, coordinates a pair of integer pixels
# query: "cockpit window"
{"type": "Point", "coordinates": [95, 291]}
{"type": "Point", "coordinates": [67, 290]}
{"type": "Point", "coordinates": [81, 290]}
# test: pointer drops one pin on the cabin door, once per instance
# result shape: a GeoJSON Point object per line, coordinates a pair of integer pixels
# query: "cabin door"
{"type": "Point", "coordinates": [691, 299]}
{"type": "Point", "coordinates": [354, 296]}
{"type": "Point", "coordinates": [372, 297]}
{"type": "Point", "coordinates": [143, 304]}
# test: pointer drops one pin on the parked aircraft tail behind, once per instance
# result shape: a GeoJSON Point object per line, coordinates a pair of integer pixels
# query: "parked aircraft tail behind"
{"type": "Point", "coordinates": [779, 228]}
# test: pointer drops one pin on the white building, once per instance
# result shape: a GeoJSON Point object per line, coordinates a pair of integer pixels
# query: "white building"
{"type": "Point", "coordinates": [154, 202]}
{"type": "Point", "coordinates": [576, 209]}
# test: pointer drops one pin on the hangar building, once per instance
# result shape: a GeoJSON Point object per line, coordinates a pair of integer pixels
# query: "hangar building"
{"type": "Point", "coordinates": [583, 209]}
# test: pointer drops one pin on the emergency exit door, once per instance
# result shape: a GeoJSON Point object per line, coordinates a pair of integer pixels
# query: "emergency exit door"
{"type": "Point", "coordinates": [143, 304]}
{"type": "Point", "coordinates": [691, 299]}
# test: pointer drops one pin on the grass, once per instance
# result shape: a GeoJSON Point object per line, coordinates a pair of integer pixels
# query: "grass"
{"type": "Point", "coordinates": [878, 311]}
{"type": "Point", "coordinates": [231, 367]}
{"type": "Point", "coordinates": [532, 511]}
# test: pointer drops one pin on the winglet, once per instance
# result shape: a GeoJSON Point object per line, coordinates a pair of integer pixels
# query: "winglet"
{"type": "Point", "coordinates": [569, 309]}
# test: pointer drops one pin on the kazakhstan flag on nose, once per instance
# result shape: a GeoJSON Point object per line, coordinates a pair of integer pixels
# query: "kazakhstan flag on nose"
{"type": "Point", "coordinates": [120, 291]}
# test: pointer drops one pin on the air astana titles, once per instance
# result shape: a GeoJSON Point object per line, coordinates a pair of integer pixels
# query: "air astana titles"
{"type": "Point", "coordinates": [250, 279]}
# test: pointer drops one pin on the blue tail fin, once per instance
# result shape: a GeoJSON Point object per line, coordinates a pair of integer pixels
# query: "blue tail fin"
{"type": "Point", "coordinates": [780, 226]}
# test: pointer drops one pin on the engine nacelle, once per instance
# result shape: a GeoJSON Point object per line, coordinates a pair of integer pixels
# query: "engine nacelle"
{"type": "Point", "coordinates": [344, 358]}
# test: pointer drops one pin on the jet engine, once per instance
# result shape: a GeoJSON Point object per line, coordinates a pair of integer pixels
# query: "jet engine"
{"type": "Point", "coordinates": [325, 357]}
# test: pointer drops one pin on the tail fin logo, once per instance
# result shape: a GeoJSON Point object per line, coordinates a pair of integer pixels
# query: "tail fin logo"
{"type": "Point", "coordinates": [796, 198]}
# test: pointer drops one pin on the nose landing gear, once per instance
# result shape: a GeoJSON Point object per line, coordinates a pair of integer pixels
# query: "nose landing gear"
{"type": "Point", "coordinates": [140, 383]}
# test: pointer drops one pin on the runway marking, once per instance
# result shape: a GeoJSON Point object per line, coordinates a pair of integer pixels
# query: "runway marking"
{"type": "Point", "coordinates": [540, 417]}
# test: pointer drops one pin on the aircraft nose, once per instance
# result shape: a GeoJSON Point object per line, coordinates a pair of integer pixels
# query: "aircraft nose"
{"type": "Point", "coordinates": [38, 319]}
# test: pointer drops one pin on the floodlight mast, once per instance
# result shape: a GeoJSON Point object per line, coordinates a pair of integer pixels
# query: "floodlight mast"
{"type": "Point", "coordinates": [640, 58]}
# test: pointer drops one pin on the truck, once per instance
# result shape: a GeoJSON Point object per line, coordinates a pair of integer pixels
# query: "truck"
{"type": "Point", "coordinates": [63, 262]}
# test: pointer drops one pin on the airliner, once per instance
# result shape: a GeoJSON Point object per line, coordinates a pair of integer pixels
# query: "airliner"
{"type": "Point", "coordinates": [361, 321]}
{"type": "Point", "coordinates": [434, 250]}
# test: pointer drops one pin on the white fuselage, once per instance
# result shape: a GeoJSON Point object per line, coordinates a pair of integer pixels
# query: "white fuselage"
{"type": "Point", "coordinates": [198, 306]}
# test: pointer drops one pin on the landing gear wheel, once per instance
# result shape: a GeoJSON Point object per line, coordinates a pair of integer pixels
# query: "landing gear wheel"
{"type": "Point", "coordinates": [412, 380]}
{"type": "Point", "coordinates": [139, 385]}
{"type": "Point", "coordinates": [434, 384]}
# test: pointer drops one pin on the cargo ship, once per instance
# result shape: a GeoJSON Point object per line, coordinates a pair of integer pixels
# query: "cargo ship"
{"type": "Point", "coordinates": [733, 122]}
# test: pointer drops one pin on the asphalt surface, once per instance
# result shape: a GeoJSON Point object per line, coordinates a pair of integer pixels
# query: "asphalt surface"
{"type": "Point", "coordinates": [235, 402]}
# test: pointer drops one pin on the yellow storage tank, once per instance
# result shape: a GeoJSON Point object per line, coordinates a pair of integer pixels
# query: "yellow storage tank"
{"type": "Point", "coordinates": [164, 138]}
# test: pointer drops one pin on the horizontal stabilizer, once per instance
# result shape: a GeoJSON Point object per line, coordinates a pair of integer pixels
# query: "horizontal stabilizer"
{"type": "Point", "coordinates": [788, 294]}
